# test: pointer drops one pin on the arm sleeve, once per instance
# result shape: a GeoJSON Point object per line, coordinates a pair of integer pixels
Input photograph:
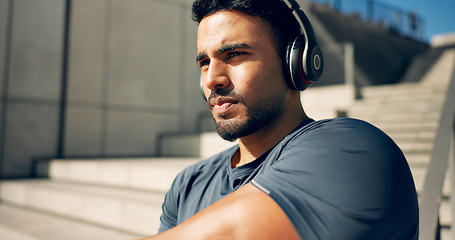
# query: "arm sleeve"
{"type": "Point", "coordinates": [169, 213]}
{"type": "Point", "coordinates": [346, 181]}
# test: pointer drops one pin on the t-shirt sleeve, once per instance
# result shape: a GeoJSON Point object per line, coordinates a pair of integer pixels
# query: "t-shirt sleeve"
{"type": "Point", "coordinates": [169, 213]}
{"type": "Point", "coordinates": [343, 180]}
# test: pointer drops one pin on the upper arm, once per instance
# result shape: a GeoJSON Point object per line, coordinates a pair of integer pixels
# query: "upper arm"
{"type": "Point", "coordinates": [247, 213]}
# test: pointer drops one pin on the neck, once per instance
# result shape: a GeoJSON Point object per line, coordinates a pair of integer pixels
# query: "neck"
{"type": "Point", "coordinates": [253, 146]}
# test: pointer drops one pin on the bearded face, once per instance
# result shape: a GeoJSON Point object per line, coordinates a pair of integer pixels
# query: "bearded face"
{"type": "Point", "coordinates": [241, 72]}
{"type": "Point", "coordinates": [255, 117]}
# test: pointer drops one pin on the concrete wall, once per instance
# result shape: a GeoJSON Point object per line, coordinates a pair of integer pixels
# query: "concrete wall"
{"type": "Point", "coordinates": [31, 64]}
{"type": "Point", "coordinates": [131, 76]}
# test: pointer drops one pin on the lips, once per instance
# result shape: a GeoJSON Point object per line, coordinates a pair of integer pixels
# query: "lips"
{"type": "Point", "coordinates": [221, 105]}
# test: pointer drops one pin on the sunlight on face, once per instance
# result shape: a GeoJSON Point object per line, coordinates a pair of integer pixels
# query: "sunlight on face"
{"type": "Point", "coordinates": [241, 72]}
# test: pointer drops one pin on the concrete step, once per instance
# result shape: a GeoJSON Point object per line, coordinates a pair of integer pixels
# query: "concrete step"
{"type": "Point", "coordinates": [152, 174]}
{"type": "Point", "coordinates": [419, 175]}
{"type": "Point", "coordinates": [397, 115]}
{"type": "Point", "coordinates": [403, 89]}
{"type": "Point", "coordinates": [420, 159]}
{"type": "Point", "coordinates": [407, 137]}
{"type": "Point", "coordinates": [403, 115]}
{"type": "Point", "coordinates": [415, 148]}
{"type": "Point", "coordinates": [408, 126]}
{"type": "Point", "coordinates": [405, 97]}
{"type": "Point", "coordinates": [396, 107]}
{"type": "Point", "coordinates": [427, 136]}
{"type": "Point", "coordinates": [446, 233]}
{"type": "Point", "coordinates": [445, 213]}
{"type": "Point", "coordinates": [193, 145]}
{"type": "Point", "coordinates": [25, 224]}
{"type": "Point", "coordinates": [121, 209]}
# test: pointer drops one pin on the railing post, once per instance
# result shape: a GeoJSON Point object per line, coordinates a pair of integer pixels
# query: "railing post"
{"type": "Point", "coordinates": [64, 80]}
{"type": "Point", "coordinates": [452, 179]}
{"type": "Point", "coordinates": [432, 190]}
{"type": "Point", "coordinates": [370, 10]}
{"type": "Point", "coordinates": [349, 63]}
{"type": "Point", "coordinates": [338, 5]}
{"type": "Point", "coordinates": [421, 27]}
{"type": "Point", "coordinates": [345, 53]}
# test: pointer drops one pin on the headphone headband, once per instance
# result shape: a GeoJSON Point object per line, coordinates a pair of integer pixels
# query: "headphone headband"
{"type": "Point", "coordinates": [299, 15]}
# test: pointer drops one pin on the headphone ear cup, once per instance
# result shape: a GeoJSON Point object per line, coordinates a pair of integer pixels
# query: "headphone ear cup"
{"type": "Point", "coordinates": [316, 63]}
{"type": "Point", "coordinates": [304, 66]}
{"type": "Point", "coordinates": [295, 60]}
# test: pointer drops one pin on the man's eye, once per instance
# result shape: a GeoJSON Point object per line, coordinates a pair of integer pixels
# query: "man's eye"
{"type": "Point", "coordinates": [203, 63]}
{"type": "Point", "coordinates": [234, 54]}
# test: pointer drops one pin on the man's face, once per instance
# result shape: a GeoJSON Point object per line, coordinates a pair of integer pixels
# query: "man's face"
{"type": "Point", "coordinates": [241, 73]}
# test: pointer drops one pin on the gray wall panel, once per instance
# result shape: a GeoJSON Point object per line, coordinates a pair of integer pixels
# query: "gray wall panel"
{"type": "Point", "coordinates": [36, 48]}
{"type": "Point", "coordinates": [193, 102]}
{"type": "Point", "coordinates": [1, 133]}
{"type": "Point", "coordinates": [131, 77]}
{"type": "Point", "coordinates": [86, 71]}
{"type": "Point", "coordinates": [144, 54]}
{"type": "Point", "coordinates": [3, 28]}
{"type": "Point", "coordinates": [135, 133]}
{"type": "Point", "coordinates": [83, 132]}
{"type": "Point", "coordinates": [31, 133]}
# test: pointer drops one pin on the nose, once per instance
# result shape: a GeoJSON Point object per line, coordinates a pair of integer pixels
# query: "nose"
{"type": "Point", "coordinates": [216, 76]}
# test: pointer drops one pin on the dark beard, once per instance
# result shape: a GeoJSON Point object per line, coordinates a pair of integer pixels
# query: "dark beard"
{"type": "Point", "coordinates": [258, 116]}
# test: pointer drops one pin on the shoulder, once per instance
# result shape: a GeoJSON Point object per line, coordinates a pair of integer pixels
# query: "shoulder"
{"type": "Point", "coordinates": [341, 133]}
{"type": "Point", "coordinates": [338, 125]}
{"type": "Point", "coordinates": [339, 170]}
{"type": "Point", "coordinates": [344, 142]}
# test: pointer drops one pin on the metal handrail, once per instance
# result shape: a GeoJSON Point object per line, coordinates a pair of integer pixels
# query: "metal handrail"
{"type": "Point", "coordinates": [398, 20]}
{"type": "Point", "coordinates": [431, 196]}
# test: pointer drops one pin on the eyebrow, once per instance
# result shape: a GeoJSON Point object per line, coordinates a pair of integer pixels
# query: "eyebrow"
{"type": "Point", "coordinates": [224, 49]}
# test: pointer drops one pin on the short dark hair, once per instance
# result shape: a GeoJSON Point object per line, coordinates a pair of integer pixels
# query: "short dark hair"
{"type": "Point", "coordinates": [284, 26]}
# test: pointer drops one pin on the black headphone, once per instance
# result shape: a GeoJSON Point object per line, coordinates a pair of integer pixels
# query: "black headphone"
{"type": "Point", "coordinates": [304, 62]}
{"type": "Point", "coordinates": [304, 58]}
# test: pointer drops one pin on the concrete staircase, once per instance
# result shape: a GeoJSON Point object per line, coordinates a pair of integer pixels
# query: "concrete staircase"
{"type": "Point", "coordinates": [409, 113]}
{"type": "Point", "coordinates": [121, 198]}
{"type": "Point", "coordinates": [99, 198]}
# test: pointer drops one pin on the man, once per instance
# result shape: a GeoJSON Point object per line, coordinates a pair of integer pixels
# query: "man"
{"type": "Point", "coordinates": [289, 177]}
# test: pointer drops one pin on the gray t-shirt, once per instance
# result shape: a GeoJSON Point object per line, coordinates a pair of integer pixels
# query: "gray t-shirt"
{"type": "Point", "coordinates": [335, 179]}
